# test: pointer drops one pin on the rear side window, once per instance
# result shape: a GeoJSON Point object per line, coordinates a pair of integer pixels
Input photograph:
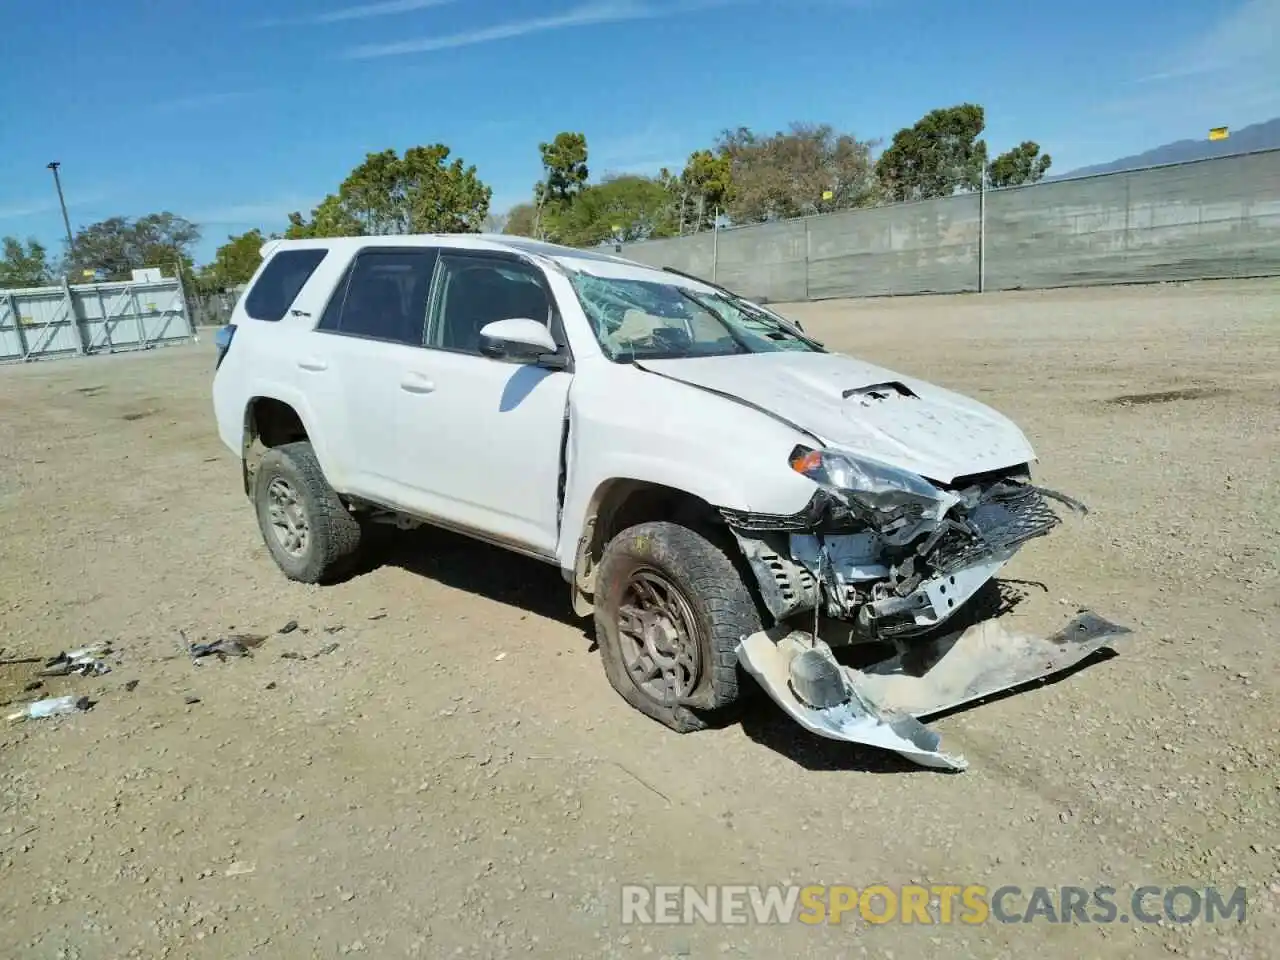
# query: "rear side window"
{"type": "Point", "coordinates": [280, 282]}
{"type": "Point", "coordinates": [384, 296]}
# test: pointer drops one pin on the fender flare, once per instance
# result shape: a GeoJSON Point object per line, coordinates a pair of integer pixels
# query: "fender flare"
{"type": "Point", "coordinates": [296, 402]}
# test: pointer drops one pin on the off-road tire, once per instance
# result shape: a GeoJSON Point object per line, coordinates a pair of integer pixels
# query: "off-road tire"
{"type": "Point", "coordinates": [334, 534]}
{"type": "Point", "coordinates": [723, 608]}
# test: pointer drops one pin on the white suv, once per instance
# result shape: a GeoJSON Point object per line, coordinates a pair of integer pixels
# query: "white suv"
{"type": "Point", "coordinates": [697, 466]}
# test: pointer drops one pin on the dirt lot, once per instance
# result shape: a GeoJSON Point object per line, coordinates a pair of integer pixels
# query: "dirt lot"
{"type": "Point", "coordinates": [454, 777]}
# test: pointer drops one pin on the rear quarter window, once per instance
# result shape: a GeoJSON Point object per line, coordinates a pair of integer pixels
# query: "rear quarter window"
{"type": "Point", "coordinates": [279, 283]}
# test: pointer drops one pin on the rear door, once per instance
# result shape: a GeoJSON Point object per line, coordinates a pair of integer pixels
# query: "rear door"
{"type": "Point", "coordinates": [369, 340]}
{"type": "Point", "coordinates": [269, 320]}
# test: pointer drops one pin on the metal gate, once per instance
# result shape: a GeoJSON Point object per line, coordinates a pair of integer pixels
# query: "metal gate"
{"type": "Point", "coordinates": [82, 319]}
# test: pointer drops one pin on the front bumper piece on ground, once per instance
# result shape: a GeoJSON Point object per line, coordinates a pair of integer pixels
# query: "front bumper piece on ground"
{"type": "Point", "coordinates": [881, 706]}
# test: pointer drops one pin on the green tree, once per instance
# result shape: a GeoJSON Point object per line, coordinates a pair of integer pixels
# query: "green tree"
{"type": "Point", "coordinates": [789, 174]}
{"type": "Point", "coordinates": [442, 196]}
{"type": "Point", "coordinates": [1023, 164]}
{"type": "Point", "coordinates": [24, 265]}
{"type": "Point", "coordinates": [234, 262]}
{"type": "Point", "coordinates": [421, 192]}
{"type": "Point", "coordinates": [374, 194]}
{"type": "Point", "coordinates": [115, 247]}
{"type": "Point", "coordinates": [940, 154]}
{"type": "Point", "coordinates": [521, 220]}
{"type": "Point", "coordinates": [329, 219]}
{"type": "Point", "coordinates": [627, 208]}
{"type": "Point", "coordinates": [565, 161]}
{"type": "Point", "coordinates": [705, 187]}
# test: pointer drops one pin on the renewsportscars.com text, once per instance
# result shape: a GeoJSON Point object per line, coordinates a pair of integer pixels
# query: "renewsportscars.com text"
{"type": "Point", "coordinates": [942, 904]}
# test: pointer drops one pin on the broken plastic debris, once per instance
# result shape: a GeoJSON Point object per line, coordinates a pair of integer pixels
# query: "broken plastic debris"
{"type": "Point", "coordinates": [86, 662]}
{"type": "Point", "coordinates": [499, 658]}
{"type": "Point", "coordinates": [881, 705]}
{"type": "Point", "coordinates": [235, 645]}
{"type": "Point", "coordinates": [51, 707]}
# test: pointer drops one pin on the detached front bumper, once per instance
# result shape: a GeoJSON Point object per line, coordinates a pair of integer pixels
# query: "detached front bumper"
{"type": "Point", "coordinates": [881, 706]}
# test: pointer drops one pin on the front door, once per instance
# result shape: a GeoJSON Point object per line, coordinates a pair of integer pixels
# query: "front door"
{"type": "Point", "coordinates": [482, 437]}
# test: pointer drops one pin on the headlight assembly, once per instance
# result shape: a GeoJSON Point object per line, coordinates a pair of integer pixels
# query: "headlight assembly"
{"type": "Point", "coordinates": [871, 483]}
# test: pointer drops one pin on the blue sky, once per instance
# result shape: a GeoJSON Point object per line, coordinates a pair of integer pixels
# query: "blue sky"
{"type": "Point", "coordinates": [236, 112]}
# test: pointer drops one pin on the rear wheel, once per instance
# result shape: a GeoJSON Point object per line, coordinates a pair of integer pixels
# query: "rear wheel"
{"type": "Point", "coordinates": [307, 529]}
{"type": "Point", "coordinates": [670, 610]}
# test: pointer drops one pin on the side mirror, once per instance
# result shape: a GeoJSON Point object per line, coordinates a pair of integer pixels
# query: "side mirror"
{"type": "Point", "coordinates": [519, 339]}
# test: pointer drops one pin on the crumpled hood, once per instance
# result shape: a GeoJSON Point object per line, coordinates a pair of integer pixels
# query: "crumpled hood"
{"type": "Point", "coordinates": [934, 432]}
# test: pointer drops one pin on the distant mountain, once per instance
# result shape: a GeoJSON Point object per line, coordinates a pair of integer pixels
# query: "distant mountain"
{"type": "Point", "coordinates": [1259, 136]}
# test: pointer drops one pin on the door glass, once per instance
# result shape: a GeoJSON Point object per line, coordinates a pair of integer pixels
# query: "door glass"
{"type": "Point", "coordinates": [476, 291]}
{"type": "Point", "coordinates": [385, 296]}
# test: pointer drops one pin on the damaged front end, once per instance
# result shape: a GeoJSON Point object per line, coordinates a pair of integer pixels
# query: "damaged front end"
{"type": "Point", "coordinates": [895, 557]}
{"type": "Point", "coordinates": [886, 549]}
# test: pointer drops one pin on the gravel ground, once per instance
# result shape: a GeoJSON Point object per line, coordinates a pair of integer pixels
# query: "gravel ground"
{"type": "Point", "coordinates": [438, 767]}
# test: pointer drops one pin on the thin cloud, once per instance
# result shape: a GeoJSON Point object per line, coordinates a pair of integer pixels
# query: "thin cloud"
{"type": "Point", "coordinates": [30, 208]}
{"type": "Point", "coordinates": [363, 11]}
{"type": "Point", "coordinates": [1247, 38]}
{"type": "Point", "coordinates": [267, 213]}
{"type": "Point", "coordinates": [653, 141]}
{"type": "Point", "coordinates": [602, 11]}
{"type": "Point", "coordinates": [17, 210]}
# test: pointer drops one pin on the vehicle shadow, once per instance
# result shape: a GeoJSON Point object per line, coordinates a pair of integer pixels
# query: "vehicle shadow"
{"type": "Point", "coordinates": [764, 722]}
{"type": "Point", "coordinates": [466, 564]}
{"type": "Point", "coordinates": [538, 588]}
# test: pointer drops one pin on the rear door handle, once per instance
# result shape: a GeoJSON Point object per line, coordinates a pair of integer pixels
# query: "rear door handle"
{"type": "Point", "coordinates": [315, 366]}
{"type": "Point", "coordinates": [416, 383]}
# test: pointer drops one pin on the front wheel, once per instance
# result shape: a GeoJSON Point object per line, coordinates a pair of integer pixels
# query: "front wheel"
{"type": "Point", "coordinates": [670, 610]}
{"type": "Point", "coordinates": [308, 530]}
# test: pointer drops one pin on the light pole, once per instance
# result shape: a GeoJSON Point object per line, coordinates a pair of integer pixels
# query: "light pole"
{"type": "Point", "coordinates": [66, 221]}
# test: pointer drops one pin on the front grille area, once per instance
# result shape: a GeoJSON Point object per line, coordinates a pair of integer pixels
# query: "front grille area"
{"type": "Point", "coordinates": [812, 516]}
{"type": "Point", "coordinates": [1008, 515]}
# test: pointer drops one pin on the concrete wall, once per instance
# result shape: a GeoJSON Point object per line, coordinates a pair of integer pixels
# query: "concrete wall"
{"type": "Point", "coordinates": [91, 318]}
{"type": "Point", "coordinates": [1202, 220]}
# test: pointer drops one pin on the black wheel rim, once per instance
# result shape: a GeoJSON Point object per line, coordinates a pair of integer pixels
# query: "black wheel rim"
{"type": "Point", "coordinates": [659, 637]}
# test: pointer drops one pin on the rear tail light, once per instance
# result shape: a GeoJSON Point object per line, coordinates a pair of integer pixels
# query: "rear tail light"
{"type": "Point", "coordinates": [222, 341]}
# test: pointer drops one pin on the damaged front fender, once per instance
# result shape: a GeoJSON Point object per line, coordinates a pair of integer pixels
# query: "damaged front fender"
{"type": "Point", "coordinates": [881, 706]}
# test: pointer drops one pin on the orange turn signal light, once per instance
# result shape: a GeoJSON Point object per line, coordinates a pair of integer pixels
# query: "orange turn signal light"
{"type": "Point", "coordinates": [806, 461]}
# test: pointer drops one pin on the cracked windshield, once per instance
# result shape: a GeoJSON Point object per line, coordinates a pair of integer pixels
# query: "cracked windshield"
{"type": "Point", "coordinates": [639, 319]}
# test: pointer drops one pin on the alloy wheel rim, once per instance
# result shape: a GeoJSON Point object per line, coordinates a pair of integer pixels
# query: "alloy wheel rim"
{"type": "Point", "coordinates": [659, 637]}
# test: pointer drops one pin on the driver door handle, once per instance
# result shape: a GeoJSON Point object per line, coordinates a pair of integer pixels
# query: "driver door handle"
{"type": "Point", "coordinates": [312, 364]}
{"type": "Point", "coordinates": [416, 383]}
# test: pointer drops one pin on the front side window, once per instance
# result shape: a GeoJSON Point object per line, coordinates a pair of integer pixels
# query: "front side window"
{"type": "Point", "coordinates": [645, 319]}
{"type": "Point", "coordinates": [383, 296]}
{"type": "Point", "coordinates": [475, 291]}
{"type": "Point", "coordinates": [281, 280]}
